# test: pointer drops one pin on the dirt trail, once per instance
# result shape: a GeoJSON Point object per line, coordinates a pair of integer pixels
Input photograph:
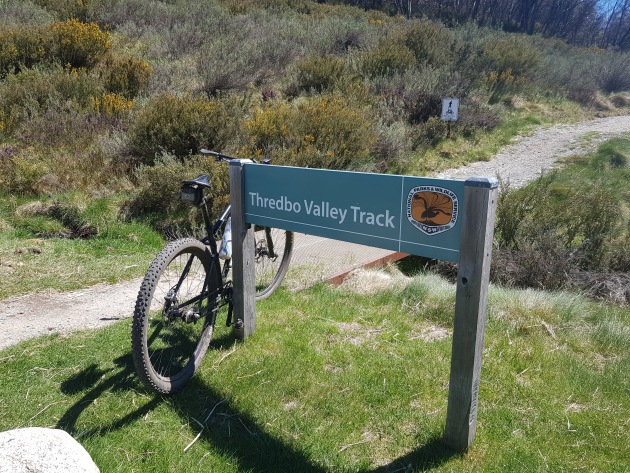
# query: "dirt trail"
{"type": "Point", "coordinates": [43, 313]}
{"type": "Point", "coordinates": [530, 155]}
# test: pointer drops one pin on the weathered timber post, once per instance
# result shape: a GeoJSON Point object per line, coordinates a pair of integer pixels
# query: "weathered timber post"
{"type": "Point", "coordinates": [471, 301]}
{"type": "Point", "coordinates": [243, 263]}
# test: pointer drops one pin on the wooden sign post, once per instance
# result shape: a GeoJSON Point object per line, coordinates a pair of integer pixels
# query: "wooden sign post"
{"type": "Point", "coordinates": [471, 300]}
{"type": "Point", "coordinates": [243, 263]}
{"type": "Point", "coordinates": [437, 218]}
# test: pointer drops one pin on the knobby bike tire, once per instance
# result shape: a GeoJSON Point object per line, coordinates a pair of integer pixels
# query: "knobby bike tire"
{"type": "Point", "coordinates": [271, 268]}
{"type": "Point", "coordinates": [168, 350]}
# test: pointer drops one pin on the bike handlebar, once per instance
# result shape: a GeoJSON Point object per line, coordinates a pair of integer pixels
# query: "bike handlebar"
{"type": "Point", "coordinates": [217, 156]}
{"type": "Point", "coordinates": [225, 157]}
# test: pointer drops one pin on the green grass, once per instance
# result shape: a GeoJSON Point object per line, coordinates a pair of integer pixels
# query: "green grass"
{"type": "Point", "coordinates": [32, 260]}
{"type": "Point", "coordinates": [333, 381]}
{"type": "Point", "coordinates": [609, 166]}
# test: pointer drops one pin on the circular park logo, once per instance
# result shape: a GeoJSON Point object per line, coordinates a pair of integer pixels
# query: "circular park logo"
{"type": "Point", "coordinates": [431, 209]}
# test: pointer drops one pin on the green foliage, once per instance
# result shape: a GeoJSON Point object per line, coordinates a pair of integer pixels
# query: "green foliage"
{"type": "Point", "coordinates": [67, 9]}
{"type": "Point", "coordinates": [179, 126]}
{"type": "Point", "coordinates": [326, 132]}
{"type": "Point", "coordinates": [19, 172]}
{"type": "Point", "coordinates": [430, 42]}
{"type": "Point", "coordinates": [548, 230]}
{"type": "Point", "coordinates": [513, 53]}
{"type": "Point", "coordinates": [157, 196]}
{"type": "Point", "coordinates": [32, 92]}
{"type": "Point", "coordinates": [317, 74]}
{"type": "Point", "coordinates": [387, 59]}
{"type": "Point", "coordinates": [125, 76]}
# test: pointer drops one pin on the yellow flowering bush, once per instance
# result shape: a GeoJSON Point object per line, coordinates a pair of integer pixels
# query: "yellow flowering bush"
{"type": "Point", "coordinates": [20, 47]}
{"type": "Point", "coordinates": [325, 132]}
{"type": "Point", "coordinates": [112, 105]}
{"type": "Point", "coordinates": [126, 76]}
{"type": "Point", "coordinates": [78, 44]}
{"type": "Point", "coordinates": [68, 43]}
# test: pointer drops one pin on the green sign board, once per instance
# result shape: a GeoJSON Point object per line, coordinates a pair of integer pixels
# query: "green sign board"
{"type": "Point", "coordinates": [415, 215]}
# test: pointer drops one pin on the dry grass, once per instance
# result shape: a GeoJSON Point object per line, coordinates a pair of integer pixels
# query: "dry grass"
{"type": "Point", "coordinates": [365, 282]}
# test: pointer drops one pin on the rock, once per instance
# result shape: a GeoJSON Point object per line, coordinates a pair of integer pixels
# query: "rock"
{"type": "Point", "coordinates": [40, 450]}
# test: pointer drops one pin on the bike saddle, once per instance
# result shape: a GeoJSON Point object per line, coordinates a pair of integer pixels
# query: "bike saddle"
{"type": "Point", "coordinates": [201, 181]}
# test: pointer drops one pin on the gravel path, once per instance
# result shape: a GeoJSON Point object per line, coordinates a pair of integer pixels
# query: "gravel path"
{"type": "Point", "coordinates": [44, 313]}
{"type": "Point", "coordinates": [531, 155]}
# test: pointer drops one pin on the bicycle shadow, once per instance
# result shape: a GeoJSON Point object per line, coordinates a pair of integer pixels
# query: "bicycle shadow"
{"type": "Point", "coordinates": [118, 379]}
{"type": "Point", "coordinates": [228, 431]}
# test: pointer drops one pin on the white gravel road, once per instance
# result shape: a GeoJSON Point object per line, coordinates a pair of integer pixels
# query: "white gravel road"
{"type": "Point", "coordinates": [49, 312]}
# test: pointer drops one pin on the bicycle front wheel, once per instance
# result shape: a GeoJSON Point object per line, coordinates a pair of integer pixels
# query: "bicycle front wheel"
{"type": "Point", "coordinates": [174, 315]}
{"type": "Point", "coordinates": [272, 254]}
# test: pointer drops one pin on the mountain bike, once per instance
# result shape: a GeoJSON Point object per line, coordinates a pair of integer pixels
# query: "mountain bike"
{"type": "Point", "coordinates": [186, 285]}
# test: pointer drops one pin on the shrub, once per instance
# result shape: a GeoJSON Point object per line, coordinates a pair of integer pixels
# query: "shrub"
{"type": "Point", "coordinates": [159, 187]}
{"type": "Point", "coordinates": [421, 105]}
{"type": "Point", "coordinates": [317, 74]}
{"type": "Point", "coordinates": [514, 53]}
{"type": "Point", "coordinates": [19, 171]}
{"type": "Point", "coordinates": [69, 43]}
{"type": "Point", "coordinates": [21, 47]}
{"type": "Point", "coordinates": [112, 105]}
{"type": "Point", "coordinates": [615, 72]}
{"type": "Point", "coordinates": [430, 42]}
{"type": "Point", "coordinates": [502, 83]}
{"type": "Point", "coordinates": [543, 222]}
{"type": "Point", "coordinates": [418, 92]}
{"type": "Point", "coordinates": [29, 94]}
{"type": "Point", "coordinates": [387, 59]}
{"type": "Point", "coordinates": [179, 126]}
{"type": "Point", "coordinates": [430, 133]}
{"type": "Point", "coordinates": [247, 51]}
{"type": "Point", "coordinates": [475, 117]}
{"type": "Point", "coordinates": [223, 67]}
{"type": "Point", "coordinates": [325, 132]}
{"type": "Point", "coordinates": [78, 44]}
{"type": "Point", "coordinates": [125, 76]}
{"type": "Point", "coordinates": [67, 9]}
{"type": "Point", "coordinates": [19, 12]}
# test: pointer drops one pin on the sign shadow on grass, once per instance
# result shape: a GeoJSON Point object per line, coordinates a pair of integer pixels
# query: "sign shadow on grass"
{"type": "Point", "coordinates": [238, 436]}
{"type": "Point", "coordinates": [228, 431]}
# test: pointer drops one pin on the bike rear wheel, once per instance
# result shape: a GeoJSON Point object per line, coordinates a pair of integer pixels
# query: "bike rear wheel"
{"type": "Point", "coordinates": [174, 315]}
{"type": "Point", "coordinates": [272, 254]}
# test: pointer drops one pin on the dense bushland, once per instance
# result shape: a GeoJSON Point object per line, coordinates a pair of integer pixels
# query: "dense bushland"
{"type": "Point", "coordinates": [103, 96]}
{"type": "Point", "coordinates": [569, 229]}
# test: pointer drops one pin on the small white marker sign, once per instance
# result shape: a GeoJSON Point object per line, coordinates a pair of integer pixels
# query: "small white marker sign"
{"type": "Point", "coordinates": [450, 109]}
